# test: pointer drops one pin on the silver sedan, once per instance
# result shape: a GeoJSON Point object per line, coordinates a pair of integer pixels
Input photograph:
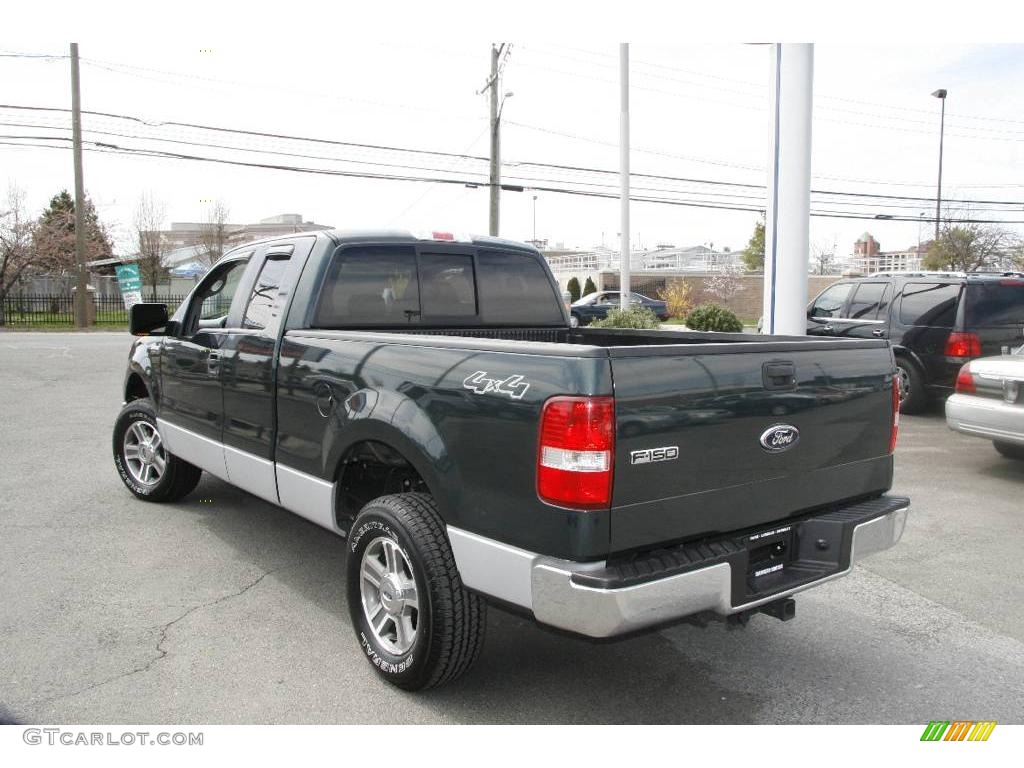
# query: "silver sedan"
{"type": "Point", "coordinates": [989, 402]}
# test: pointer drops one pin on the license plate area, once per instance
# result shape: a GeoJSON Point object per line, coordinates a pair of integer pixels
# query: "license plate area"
{"type": "Point", "coordinates": [769, 553]}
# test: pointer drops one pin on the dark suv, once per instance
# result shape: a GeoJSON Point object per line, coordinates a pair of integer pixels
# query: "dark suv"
{"type": "Point", "coordinates": [936, 322]}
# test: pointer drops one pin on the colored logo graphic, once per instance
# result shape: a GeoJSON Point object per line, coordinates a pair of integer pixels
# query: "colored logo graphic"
{"type": "Point", "coordinates": [958, 730]}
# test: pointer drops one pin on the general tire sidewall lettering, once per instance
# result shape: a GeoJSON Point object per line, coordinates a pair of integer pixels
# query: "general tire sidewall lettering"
{"type": "Point", "coordinates": [122, 470]}
{"type": "Point", "coordinates": [361, 536]}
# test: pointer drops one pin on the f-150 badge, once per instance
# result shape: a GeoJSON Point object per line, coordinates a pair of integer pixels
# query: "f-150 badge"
{"type": "Point", "coordinates": [514, 386]}
{"type": "Point", "coordinates": [651, 455]}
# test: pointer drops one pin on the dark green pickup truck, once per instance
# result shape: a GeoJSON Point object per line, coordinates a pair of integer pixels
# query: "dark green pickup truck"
{"type": "Point", "coordinates": [426, 398]}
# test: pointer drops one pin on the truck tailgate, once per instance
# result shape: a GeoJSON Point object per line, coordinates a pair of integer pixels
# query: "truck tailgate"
{"type": "Point", "coordinates": [689, 458]}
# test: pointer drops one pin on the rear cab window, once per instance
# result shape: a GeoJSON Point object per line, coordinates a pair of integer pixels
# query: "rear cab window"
{"type": "Point", "coordinates": [403, 285]}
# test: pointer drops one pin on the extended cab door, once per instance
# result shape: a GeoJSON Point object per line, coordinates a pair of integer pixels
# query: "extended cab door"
{"type": "Point", "coordinates": [249, 366]}
{"type": "Point", "coordinates": [191, 408]}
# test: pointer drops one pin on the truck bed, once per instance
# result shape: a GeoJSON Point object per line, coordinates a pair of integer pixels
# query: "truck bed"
{"type": "Point", "coordinates": [705, 395]}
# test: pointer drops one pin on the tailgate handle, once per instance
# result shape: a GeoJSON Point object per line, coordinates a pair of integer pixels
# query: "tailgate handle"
{"type": "Point", "coordinates": [779, 375]}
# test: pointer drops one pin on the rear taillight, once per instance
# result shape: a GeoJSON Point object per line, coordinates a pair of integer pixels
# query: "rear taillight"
{"type": "Point", "coordinates": [895, 413]}
{"type": "Point", "coordinates": [963, 345]}
{"type": "Point", "coordinates": [965, 380]}
{"type": "Point", "coordinates": [574, 458]}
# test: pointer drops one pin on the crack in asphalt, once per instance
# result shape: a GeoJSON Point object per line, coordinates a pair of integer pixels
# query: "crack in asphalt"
{"type": "Point", "coordinates": [164, 629]}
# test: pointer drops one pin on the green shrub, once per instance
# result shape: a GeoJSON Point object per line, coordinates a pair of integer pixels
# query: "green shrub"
{"type": "Point", "coordinates": [634, 317]}
{"type": "Point", "coordinates": [589, 287]}
{"type": "Point", "coordinates": [573, 287]}
{"type": "Point", "coordinates": [711, 317]}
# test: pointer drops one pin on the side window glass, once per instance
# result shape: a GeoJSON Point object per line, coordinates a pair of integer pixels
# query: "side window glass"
{"type": "Point", "coordinates": [212, 301]}
{"type": "Point", "coordinates": [864, 305]}
{"type": "Point", "coordinates": [830, 303]}
{"type": "Point", "coordinates": [932, 304]}
{"type": "Point", "coordinates": [263, 300]}
{"type": "Point", "coordinates": [883, 305]}
{"type": "Point", "coordinates": [370, 285]}
{"type": "Point", "coordinates": [447, 286]}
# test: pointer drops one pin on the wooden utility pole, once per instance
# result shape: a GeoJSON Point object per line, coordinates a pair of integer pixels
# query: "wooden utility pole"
{"type": "Point", "coordinates": [81, 292]}
{"type": "Point", "coordinates": [495, 207]}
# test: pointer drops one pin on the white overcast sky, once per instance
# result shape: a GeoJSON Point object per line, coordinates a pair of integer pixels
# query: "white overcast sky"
{"type": "Point", "coordinates": [698, 110]}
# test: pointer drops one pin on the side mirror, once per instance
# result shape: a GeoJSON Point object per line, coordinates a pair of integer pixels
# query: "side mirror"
{"type": "Point", "coordinates": [143, 319]}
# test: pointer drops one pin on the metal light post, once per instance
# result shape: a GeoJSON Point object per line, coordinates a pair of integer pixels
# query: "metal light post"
{"type": "Point", "coordinates": [624, 243]}
{"type": "Point", "coordinates": [535, 220]}
{"type": "Point", "coordinates": [941, 96]}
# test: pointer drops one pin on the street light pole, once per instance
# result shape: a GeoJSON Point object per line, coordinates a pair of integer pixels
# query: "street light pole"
{"type": "Point", "coordinates": [624, 243]}
{"type": "Point", "coordinates": [941, 96]}
{"type": "Point", "coordinates": [534, 219]}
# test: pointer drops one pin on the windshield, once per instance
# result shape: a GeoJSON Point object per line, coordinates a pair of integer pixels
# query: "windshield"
{"type": "Point", "coordinates": [590, 298]}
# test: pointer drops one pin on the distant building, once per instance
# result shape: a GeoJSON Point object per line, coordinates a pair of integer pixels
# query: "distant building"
{"type": "Point", "coordinates": [184, 239]}
{"type": "Point", "coordinates": [869, 258]}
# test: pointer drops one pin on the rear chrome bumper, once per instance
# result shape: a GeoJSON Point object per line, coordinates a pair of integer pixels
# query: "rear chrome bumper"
{"type": "Point", "coordinates": [562, 594]}
{"type": "Point", "coordinates": [986, 417]}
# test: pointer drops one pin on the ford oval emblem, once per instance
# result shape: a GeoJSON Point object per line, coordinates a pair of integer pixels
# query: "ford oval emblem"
{"type": "Point", "coordinates": [780, 438]}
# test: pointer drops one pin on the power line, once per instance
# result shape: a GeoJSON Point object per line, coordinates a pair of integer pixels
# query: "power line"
{"type": "Point", "coordinates": [114, 149]}
{"type": "Point", "coordinates": [900, 108]}
{"type": "Point", "coordinates": [459, 156]}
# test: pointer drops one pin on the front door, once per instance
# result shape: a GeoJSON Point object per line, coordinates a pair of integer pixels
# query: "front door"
{"type": "Point", "coordinates": [826, 308]}
{"type": "Point", "coordinates": [191, 408]}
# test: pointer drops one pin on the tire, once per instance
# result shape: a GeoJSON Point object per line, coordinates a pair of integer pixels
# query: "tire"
{"type": "Point", "coordinates": [913, 394]}
{"type": "Point", "coordinates": [176, 479]}
{"type": "Point", "coordinates": [574, 321]}
{"type": "Point", "coordinates": [442, 635]}
{"type": "Point", "coordinates": [1009, 450]}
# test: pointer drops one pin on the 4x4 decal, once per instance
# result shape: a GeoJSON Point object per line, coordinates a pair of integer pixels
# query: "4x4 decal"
{"type": "Point", "coordinates": [514, 386]}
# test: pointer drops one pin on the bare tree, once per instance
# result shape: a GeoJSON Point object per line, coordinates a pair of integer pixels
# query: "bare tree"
{"type": "Point", "coordinates": [16, 251]}
{"type": "Point", "coordinates": [970, 247]}
{"type": "Point", "coordinates": [149, 240]}
{"type": "Point", "coordinates": [214, 236]}
{"type": "Point", "coordinates": [725, 283]}
{"type": "Point", "coordinates": [823, 257]}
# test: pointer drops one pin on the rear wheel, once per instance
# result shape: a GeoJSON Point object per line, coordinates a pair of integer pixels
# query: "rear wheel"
{"type": "Point", "coordinates": [913, 395]}
{"type": "Point", "coordinates": [574, 321]}
{"type": "Point", "coordinates": [145, 466]}
{"type": "Point", "coordinates": [414, 620]}
{"type": "Point", "coordinates": [1009, 450]}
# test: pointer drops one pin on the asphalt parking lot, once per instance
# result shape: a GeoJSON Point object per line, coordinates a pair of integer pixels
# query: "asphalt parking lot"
{"type": "Point", "coordinates": [225, 609]}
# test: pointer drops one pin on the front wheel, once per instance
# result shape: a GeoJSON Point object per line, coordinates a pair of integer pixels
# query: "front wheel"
{"type": "Point", "coordinates": [414, 620]}
{"type": "Point", "coordinates": [143, 462]}
{"type": "Point", "coordinates": [1009, 450]}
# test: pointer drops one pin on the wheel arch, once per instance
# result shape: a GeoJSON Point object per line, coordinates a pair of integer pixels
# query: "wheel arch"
{"type": "Point", "coordinates": [390, 450]}
{"type": "Point", "coordinates": [899, 351]}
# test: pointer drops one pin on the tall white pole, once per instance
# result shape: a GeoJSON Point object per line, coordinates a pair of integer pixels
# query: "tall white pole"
{"type": "Point", "coordinates": [787, 224]}
{"type": "Point", "coordinates": [624, 173]}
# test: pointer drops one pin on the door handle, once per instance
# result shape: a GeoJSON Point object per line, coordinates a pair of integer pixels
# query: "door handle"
{"type": "Point", "coordinates": [878, 332]}
{"type": "Point", "coordinates": [213, 363]}
{"type": "Point", "coordinates": [828, 329]}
